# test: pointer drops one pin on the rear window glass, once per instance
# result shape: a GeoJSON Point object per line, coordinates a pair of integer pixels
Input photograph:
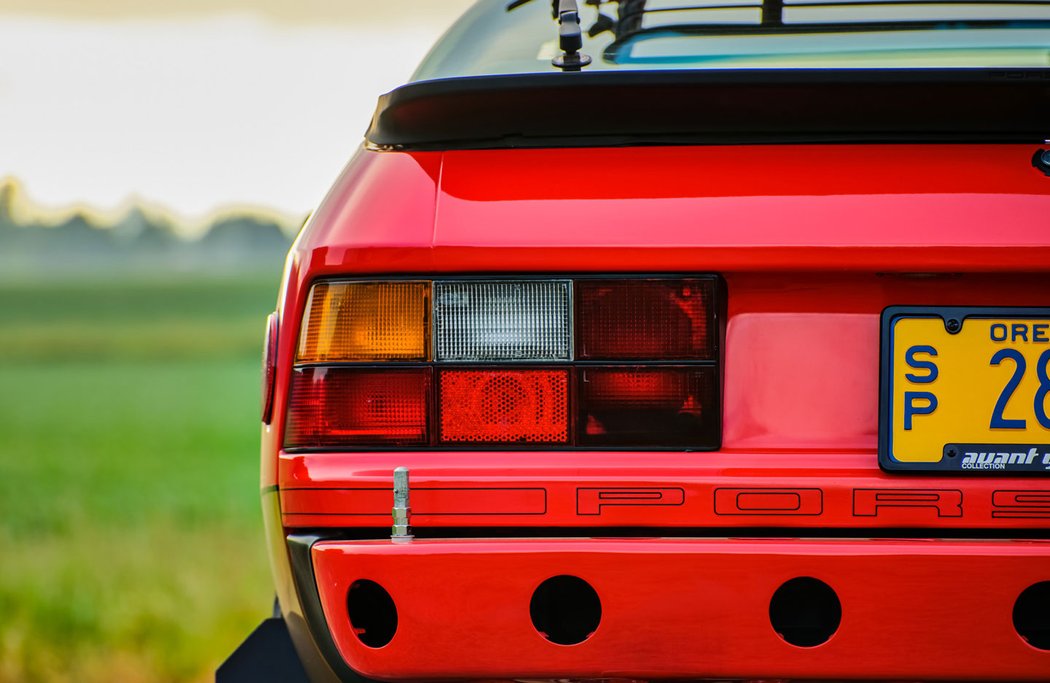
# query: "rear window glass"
{"type": "Point", "coordinates": [505, 37]}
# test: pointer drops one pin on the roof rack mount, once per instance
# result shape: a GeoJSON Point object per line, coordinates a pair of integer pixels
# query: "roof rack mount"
{"type": "Point", "coordinates": [570, 38]}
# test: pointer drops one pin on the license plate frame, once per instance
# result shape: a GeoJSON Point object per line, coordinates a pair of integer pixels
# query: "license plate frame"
{"type": "Point", "coordinates": [948, 463]}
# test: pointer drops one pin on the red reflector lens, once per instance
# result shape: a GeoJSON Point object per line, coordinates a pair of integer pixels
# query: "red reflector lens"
{"type": "Point", "coordinates": [269, 373]}
{"type": "Point", "coordinates": [333, 407]}
{"type": "Point", "coordinates": [644, 320]}
{"type": "Point", "coordinates": [504, 406]}
{"type": "Point", "coordinates": [647, 407]}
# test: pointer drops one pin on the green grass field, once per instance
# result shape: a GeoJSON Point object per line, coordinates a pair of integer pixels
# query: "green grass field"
{"type": "Point", "coordinates": [130, 535]}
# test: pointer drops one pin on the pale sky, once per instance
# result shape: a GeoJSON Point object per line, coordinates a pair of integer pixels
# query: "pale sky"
{"type": "Point", "coordinates": [198, 104]}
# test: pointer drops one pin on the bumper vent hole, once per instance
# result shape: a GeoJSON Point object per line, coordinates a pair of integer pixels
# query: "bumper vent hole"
{"type": "Point", "coordinates": [373, 615]}
{"type": "Point", "coordinates": [1032, 615]}
{"type": "Point", "coordinates": [565, 610]}
{"type": "Point", "coordinates": [805, 612]}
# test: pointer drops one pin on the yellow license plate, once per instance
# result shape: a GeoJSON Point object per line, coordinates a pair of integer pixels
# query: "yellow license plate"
{"type": "Point", "coordinates": [966, 390]}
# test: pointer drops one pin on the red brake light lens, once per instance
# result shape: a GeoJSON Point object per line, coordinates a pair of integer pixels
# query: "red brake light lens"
{"type": "Point", "coordinates": [340, 406]}
{"type": "Point", "coordinates": [647, 406]}
{"type": "Point", "coordinates": [504, 406]}
{"type": "Point", "coordinates": [644, 320]}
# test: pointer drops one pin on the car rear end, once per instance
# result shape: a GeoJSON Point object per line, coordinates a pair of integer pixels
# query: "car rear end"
{"type": "Point", "coordinates": [714, 391]}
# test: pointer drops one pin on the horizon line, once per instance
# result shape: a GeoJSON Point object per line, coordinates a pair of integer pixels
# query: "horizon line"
{"type": "Point", "coordinates": [25, 211]}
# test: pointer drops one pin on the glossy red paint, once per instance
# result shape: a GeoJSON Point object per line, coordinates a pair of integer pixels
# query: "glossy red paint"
{"type": "Point", "coordinates": [813, 243]}
{"type": "Point", "coordinates": [735, 490]}
{"type": "Point", "coordinates": [691, 608]}
{"type": "Point", "coordinates": [800, 411]}
{"type": "Point", "coordinates": [820, 229]}
{"type": "Point", "coordinates": [881, 207]}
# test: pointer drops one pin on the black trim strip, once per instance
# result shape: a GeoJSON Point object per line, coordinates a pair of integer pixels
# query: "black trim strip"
{"type": "Point", "coordinates": [299, 547]}
{"type": "Point", "coordinates": [744, 533]}
{"type": "Point", "coordinates": [607, 108]}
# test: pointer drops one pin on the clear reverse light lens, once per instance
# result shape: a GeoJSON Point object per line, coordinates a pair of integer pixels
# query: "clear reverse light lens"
{"type": "Point", "coordinates": [502, 321]}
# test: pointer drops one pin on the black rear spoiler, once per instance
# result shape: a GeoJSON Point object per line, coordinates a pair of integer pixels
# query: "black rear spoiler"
{"type": "Point", "coordinates": [602, 108]}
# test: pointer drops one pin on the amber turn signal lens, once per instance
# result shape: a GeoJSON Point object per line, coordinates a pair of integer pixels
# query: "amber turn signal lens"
{"type": "Point", "coordinates": [366, 322]}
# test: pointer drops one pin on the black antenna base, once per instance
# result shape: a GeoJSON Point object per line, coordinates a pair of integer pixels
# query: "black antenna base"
{"type": "Point", "coordinates": [570, 37]}
{"type": "Point", "coordinates": [571, 61]}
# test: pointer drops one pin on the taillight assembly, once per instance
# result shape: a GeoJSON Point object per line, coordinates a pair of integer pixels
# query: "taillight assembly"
{"type": "Point", "coordinates": [509, 363]}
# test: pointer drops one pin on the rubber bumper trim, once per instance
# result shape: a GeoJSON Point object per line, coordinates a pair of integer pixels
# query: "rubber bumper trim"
{"type": "Point", "coordinates": [299, 551]}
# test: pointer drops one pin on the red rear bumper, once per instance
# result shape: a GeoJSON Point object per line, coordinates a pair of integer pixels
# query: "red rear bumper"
{"type": "Point", "coordinates": [691, 608]}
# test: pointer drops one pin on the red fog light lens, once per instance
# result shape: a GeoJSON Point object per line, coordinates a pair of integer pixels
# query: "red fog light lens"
{"type": "Point", "coordinates": [647, 407]}
{"type": "Point", "coordinates": [333, 407]}
{"type": "Point", "coordinates": [504, 406]}
{"type": "Point", "coordinates": [644, 320]}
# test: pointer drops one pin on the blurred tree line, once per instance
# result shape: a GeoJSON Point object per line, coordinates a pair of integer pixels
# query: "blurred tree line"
{"type": "Point", "coordinates": [139, 239]}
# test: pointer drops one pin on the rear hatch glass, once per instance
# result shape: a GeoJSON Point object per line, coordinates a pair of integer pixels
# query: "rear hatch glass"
{"type": "Point", "coordinates": [514, 37]}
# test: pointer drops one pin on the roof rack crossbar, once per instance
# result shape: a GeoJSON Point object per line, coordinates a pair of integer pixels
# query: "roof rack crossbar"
{"type": "Point", "coordinates": [850, 27]}
{"type": "Point", "coordinates": [773, 10]}
{"type": "Point", "coordinates": [630, 27]}
{"type": "Point", "coordinates": [629, 23]}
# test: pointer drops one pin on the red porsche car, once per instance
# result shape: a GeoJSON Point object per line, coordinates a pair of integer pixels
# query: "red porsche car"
{"type": "Point", "coordinates": [682, 339]}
